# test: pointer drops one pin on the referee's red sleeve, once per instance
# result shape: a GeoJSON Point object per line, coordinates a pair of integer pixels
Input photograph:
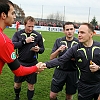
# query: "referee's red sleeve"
{"type": "Point", "coordinates": [22, 71]}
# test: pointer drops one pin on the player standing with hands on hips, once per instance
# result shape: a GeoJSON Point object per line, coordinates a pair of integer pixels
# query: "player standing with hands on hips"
{"type": "Point", "coordinates": [29, 44]}
{"type": "Point", "coordinates": [7, 54]}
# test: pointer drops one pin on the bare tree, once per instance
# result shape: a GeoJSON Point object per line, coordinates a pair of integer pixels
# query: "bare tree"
{"type": "Point", "coordinates": [59, 16]}
{"type": "Point", "coordinates": [51, 16]}
{"type": "Point", "coordinates": [20, 15]}
{"type": "Point", "coordinates": [56, 16]}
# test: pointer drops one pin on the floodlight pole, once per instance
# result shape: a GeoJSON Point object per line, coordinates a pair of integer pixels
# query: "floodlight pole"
{"type": "Point", "coordinates": [64, 15]}
{"type": "Point", "coordinates": [42, 13]}
{"type": "Point", "coordinates": [89, 15]}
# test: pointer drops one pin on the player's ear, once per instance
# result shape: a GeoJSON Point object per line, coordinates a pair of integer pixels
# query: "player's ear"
{"type": "Point", "coordinates": [3, 15]}
{"type": "Point", "coordinates": [91, 34]}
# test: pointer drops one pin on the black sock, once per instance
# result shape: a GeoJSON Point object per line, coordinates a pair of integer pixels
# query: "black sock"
{"type": "Point", "coordinates": [17, 91]}
{"type": "Point", "coordinates": [30, 94]}
{"type": "Point", "coordinates": [54, 99]}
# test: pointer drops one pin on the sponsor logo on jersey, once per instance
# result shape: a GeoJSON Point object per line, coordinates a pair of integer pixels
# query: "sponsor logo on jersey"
{"type": "Point", "coordinates": [13, 55]}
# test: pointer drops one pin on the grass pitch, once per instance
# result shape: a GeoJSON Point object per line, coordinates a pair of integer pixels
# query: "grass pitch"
{"type": "Point", "coordinates": [42, 87]}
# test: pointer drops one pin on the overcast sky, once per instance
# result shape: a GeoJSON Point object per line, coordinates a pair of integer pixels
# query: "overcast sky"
{"type": "Point", "coordinates": [73, 10]}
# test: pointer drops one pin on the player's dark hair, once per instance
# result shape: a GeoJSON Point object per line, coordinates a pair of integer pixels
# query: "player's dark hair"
{"type": "Point", "coordinates": [67, 23]}
{"type": "Point", "coordinates": [90, 26]}
{"type": "Point", "coordinates": [28, 18]}
{"type": "Point", "coordinates": [4, 6]}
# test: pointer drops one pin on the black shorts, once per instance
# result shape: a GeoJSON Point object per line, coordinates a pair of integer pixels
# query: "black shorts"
{"type": "Point", "coordinates": [31, 78]}
{"type": "Point", "coordinates": [60, 78]}
{"type": "Point", "coordinates": [88, 92]}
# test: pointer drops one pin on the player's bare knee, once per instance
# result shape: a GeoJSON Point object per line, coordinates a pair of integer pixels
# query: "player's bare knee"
{"type": "Point", "coordinates": [30, 86]}
{"type": "Point", "coordinates": [52, 97]}
{"type": "Point", "coordinates": [17, 86]}
{"type": "Point", "coordinates": [69, 98]}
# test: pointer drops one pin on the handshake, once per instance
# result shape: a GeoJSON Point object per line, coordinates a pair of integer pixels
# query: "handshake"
{"type": "Point", "coordinates": [41, 66]}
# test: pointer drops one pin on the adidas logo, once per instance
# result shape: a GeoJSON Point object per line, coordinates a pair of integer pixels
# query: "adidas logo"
{"type": "Point", "coordinates": [57, 66]}
{"type": "Point", "coordinates": [80, 60]}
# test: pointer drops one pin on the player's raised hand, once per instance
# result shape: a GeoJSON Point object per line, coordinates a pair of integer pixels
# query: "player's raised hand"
{"type": "Point", "coordinates": [62, 48]}
{"type": "Point", "coordinates": [29, 39]}
{"type": "Point", "coordinates": [40, 67]}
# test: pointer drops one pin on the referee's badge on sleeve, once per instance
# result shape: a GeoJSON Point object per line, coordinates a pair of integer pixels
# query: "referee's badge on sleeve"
{"type": "Point", "coordinates": [13, 55]}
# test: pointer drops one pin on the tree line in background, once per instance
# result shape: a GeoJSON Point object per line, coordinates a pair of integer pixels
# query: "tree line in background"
{"type": "Point", "coordinates": [20, 15]}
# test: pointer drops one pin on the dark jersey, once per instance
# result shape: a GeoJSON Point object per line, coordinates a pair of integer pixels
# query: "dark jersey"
{"type": "Point", "coordinates": [71, 66]}
{"type": "Point", "coordinates": [25, 55]}
{"type": "Point", "coordinates": [82, 56]}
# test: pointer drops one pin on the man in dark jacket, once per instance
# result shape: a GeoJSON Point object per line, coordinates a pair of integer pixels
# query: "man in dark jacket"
{"type": "Point", "coordinates": [85, 51]}
{"type": "Point", "coordinates": [29, 43]}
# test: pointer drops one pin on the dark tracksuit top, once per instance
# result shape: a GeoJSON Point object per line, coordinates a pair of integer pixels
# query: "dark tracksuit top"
{"type": "Point", "coordinates": [71, 66]}
{"type": "Point", "coordinates": [25, 55]}
{"type": "Point", "coordinates": [82, 56]}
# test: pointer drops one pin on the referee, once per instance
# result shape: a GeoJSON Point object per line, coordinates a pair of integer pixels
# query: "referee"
{"type": "Point", "coordinates": [85, 51]}
{"type": "Point", "coordinates": [29, 44]}
{"type": "Point", "coordinates": [63, 75]}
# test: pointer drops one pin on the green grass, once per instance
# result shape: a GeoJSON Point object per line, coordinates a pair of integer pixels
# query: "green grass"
{"type": "Point", "coordinates": [42, 87]}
